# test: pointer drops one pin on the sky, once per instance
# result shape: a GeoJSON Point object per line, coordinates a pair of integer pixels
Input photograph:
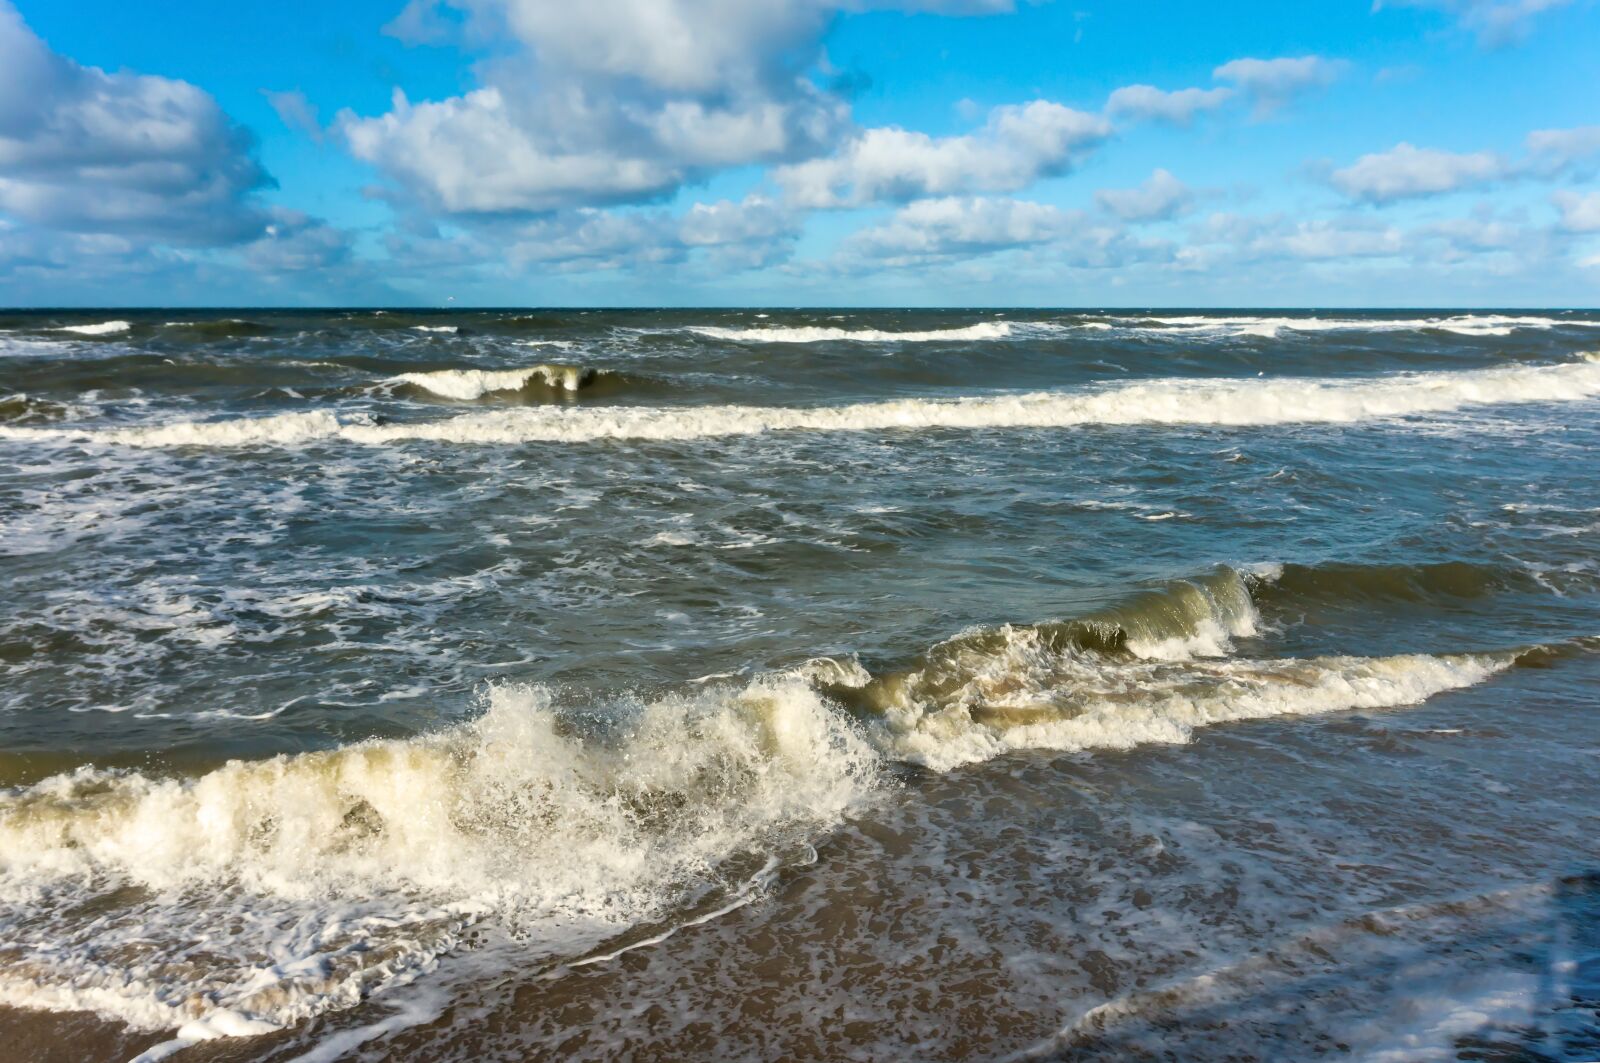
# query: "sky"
{"type": "Point", "coordinates": [1246, 153]}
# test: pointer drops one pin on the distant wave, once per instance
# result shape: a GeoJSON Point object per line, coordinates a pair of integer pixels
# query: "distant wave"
{"type": "Point", "coordinates": [220, 328]}
{"type": "Point", "coordinates": [986, 330]}
{"type": "Point", "coordinates": [465, 385]}
{"type": "Point", "coordinates": [103, 328]}
{"type": "Point", "coordinates": [1268, 327]}
{"type": "Point", "coordinates": [19, 408]}
{"type": "Point", "coordinates": [1223, 402]}
{"type": "Point", "coordinates": [1264, 326]}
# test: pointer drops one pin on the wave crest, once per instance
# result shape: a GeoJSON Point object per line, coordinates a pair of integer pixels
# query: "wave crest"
{"type": "Point", "coordinates": [1215, 402]}
{"type": "Point", "coordinates": [567, 829]}
{"type": "Point", "coordinates": [467, 385]}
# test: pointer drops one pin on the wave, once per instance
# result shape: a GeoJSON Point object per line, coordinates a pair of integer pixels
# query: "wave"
{"type": "Point", "coordinates": [1190, 324]}
{"type": "Point", "coordinates": [324, 877]}
{"type": "Point", "coordinates": [1269, 327]}
{"type": "Point", "coordinates": [985, 330]}
{"type": "Point", "coordinates": [1151, 670]}
{"type": "Point", "coordinates": [103, 328]}
{"type": "Point", "coordinates": [1222, 402]}
{"type": "Point", "coordinates": [465, 385]}
{"type": "Point", "coordinates": [436, 328]}
{"type": "Point", "coordinates": [20, 409]}
{"type": "Point", "coordinates": [222, 328]}
{"type": "Point", "coordinates": [1349, 583]}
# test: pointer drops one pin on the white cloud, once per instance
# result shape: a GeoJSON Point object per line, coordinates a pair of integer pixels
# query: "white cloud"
{"type": "Point", "coordinates": [1161, 197]}
{"type": "Point", "coordinates": [475, 154]}
{"type": "Point", "coordinates": [1326, 239]}
{"type": "Point", "coordinates": [725, 235]}
{"type": "Point", "coordinates": [1406, 172]}
{"type": "Point", "coordinates": [1580, 213]}
{"type": "Point", "coordinates": [1556, 150]}
{"type": "Point", "coordinates": [1273, 82]}
{"type": "Point", "coordinates": [87, 151]}
{"type": "Point", "coordinates": [1179, 107]}
{"type": "Point", "coordinates": [612, 101]}
{"type": "Point", "coordinates": [958, 229]}
{"type": "Point", "coordinates": [295, 242]}
{"type": "Point", "coordinates": [1017, 145]}
{"type": "Point", "coordinates": [963, 225]}
{"type": "Point", "coordinates": [1496, 22]}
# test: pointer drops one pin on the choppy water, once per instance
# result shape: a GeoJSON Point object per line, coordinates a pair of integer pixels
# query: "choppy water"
{"type": "Point", "coordinates": [706, 684]}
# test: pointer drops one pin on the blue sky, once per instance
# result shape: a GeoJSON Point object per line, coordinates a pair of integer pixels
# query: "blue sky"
{"type": "Point", "coordinates": [800, 152]}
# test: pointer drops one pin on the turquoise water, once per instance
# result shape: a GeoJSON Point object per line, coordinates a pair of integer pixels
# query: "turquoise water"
{"type": "Point", "coordinates": [758, 684]}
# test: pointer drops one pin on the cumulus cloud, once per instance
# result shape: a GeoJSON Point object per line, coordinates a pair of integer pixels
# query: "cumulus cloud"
{"type": "Point", "coordinates": [1497, 23]}
{"type": "Point", "coordinates": [1406, 172]}
{"type": "Point", "coordinates": [1580, 213]}
{"type": "Point", "coordinates": [87, 151]}
{"type": "Point", "coordinates": [295, 242]}
{"type": "Point", "coordinates": [1557, 150]}
{"type": "Point", "coordinates": [963, 225]}
{"type": "Point", "coordinates": [1271, 83]}
{"type": "Point", "coordinates": [612, 101]}
{"type": "Point", "coordinates": [726, 235]}
{"type": "Point", "coordinates": [1505, 240]}
{"type": "Point", "coordinates": [961, 228]}
{"type": "Point", "coordinates": [1179, 107]}
{"type": "Point", "coordinates": [1161, 197]}
{"type": "Point", "coordinates": [1016, 146]}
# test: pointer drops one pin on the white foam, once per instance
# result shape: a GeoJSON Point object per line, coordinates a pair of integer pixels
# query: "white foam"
{"type": "Point", "coordinates": [322, 878]}
{"type": "Point", "coordinates": [1079, 703]}
{"type": "Point", "coordinates": [987, 330]}
{"type": "Point", "coordinates": [1268, 327]}
{"type": "Point", "coordinates": [103, 328]}
{"type": "Point", "coordinates": [468, 384]}
{"type": "Point", "coordinates": [436, 328]}
{"type": "Point", "coordinates": [1220, 402]}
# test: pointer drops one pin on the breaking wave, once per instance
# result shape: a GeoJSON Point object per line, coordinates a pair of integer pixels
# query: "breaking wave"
{"type": "Point", "coordinates": [326, 877]}
{"type": "Point", "coordinates": [985, 330]}
{"type": "Point", "coordinates": [466, 385]}
{"type": "Point", "coordinates": [1269, 327]}
{"type": "Point", "coordinates": [1153, 669]}
{"type": "Point", "coordinates": [103, 328]}
{"type": "Point", "coordinates": [19, 408]}
{"type": "Point", "coordinates": [1221, 402]}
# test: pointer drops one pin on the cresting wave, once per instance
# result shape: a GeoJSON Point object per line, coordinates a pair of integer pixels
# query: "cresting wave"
{"type": "Point", "coordinates": [326, 877]}
{"type": "Point", "coordinates": [1266, 327]}
{"type": "Point", "coordinates": [1223, 402]}
{"type": "Point", "coordinates": [103, 328]}
{"type": "Point", "coordinates": [984, 330]}
{"type": "Point", "coordinates": [1269, 327]}
{"type": "Point", "coordinates": [1154, 669]}
{"type": "Point", "coordinates": [465, 385]}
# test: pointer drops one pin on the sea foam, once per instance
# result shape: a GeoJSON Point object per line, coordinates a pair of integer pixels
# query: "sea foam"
{"type": "Point", "coordinates": [103, 328]}
{"type": "Point", "coordinates": [324, 877]}
{"type": "Point", "coordinates": [467, 384]}
{"type": "Point", "coordinates": [1224, 402]}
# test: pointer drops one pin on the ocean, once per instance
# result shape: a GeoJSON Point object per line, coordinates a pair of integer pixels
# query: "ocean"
{"type": "Point", "coordinates": [756, 685]}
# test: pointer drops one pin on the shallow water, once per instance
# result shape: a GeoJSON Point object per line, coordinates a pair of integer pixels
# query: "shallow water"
{"type": "Point", "coordinates": [800, 684]}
